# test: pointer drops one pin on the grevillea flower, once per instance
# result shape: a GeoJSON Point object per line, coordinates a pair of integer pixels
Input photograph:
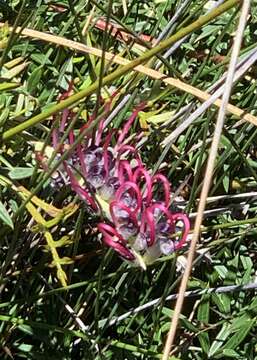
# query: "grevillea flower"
{"type": "Point", "coordinates": [107, 173]}
{"type": "Point", "coordinates": [142, 224]}
{"type": "Point", "coordinates": [94, 167]}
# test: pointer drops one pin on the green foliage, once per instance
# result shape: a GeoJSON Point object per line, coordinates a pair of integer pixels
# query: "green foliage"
{"type": "Point", "coordinates": [61, 290]}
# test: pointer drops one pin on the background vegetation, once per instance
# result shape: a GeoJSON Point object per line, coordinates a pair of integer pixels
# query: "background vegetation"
{"type": "Point", "coordinates": [41, 318]}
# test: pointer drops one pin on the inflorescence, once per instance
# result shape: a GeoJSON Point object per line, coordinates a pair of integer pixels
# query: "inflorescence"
{"type": "Point", "coordinates": [108, 174]}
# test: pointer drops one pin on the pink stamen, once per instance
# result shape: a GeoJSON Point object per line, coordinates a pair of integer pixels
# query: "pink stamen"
{"type": "Point", "coordinates": [126, 148]}
{"type": "Point", "coordinates": [67, 93]}
{"type": "Point", "coordinates": [129, 150]}
{"type": "Point", "coordinates": [64, 118]}
{"type": "Point", "coordinates": [184, 218]}
{"type": "Point", "coordinates": [148, 219]}
{"type": "Point", "coordinates": [85, 126]}
{"type": "Point", "coordinates": [65, 114]}
{"type": "Point", "coordinates": [105, 152]}
{"type": "Point", "coordinates": [109, 233]}
{"type": "Point", "coordinates": [99, 132]}
{"type": "Point", "coordinates": [71, 137]}
{"type": "Point", "coordinates": [126, 186]}
{"type": "Point", "coordinates": [79, 190]}
{"type": "Point", "coordinates": [101, 125]}
{"type": "Point", "coordinates": [139, 173]}
{"type": "Point", "coordinates": [129, 123]}
{"type": "Point", "coordinates": [166, 186]}
{"type": "Point", "coordinates": [41, 160]}
{"type": "Point", "coordinates": [55, 138]}
{"type": "Point", "coordinates": [81, 159]}
{"type": "Point", "coordinates": [124, 171]}
{"type": "Point", "coordinates": [122, 207]}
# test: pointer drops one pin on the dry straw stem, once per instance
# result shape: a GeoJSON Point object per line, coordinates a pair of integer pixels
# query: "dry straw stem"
{"type": "Point", "coordinates": [154, 74]}
{"type": "Point", "coordinates": [108, 79]}
{"type": "Point", "coordinates": [208, 175]}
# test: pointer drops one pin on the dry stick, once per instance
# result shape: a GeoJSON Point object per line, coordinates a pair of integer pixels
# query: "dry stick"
{"type": "Point", "coordinates": [206, 105]}
{"type": "Point", "coordinates": [89, 19]}
{"type": "Point", "coordinates": [75, 98]}
{"type": "Point", "coordinates": [69, 309]}
{"type": "Point", "coordinates": [154, 74]}
{"type": "Point", "coordinates": [202, 95]}
{"type": "Point", "coordinates": [193, 293]}
{"type": "Point", "coordinates": [208, 176]}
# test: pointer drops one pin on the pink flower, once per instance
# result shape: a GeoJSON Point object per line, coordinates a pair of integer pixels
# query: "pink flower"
{"type": "Point", "coordinates": [142, 225]}
{"type": "Point", "coordinates": [108, 174]}
{"type": "Point", "coordinates": [99, 163]}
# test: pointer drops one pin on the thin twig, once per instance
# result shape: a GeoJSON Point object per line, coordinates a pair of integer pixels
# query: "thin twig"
{"type": "Point", "coordinates": [208, 176]}
{"type": "Point", "coordinates": [201, 109]}
{"type": "Point", "coordinates": [188, 294]}
{"type": "Point", "coordinates": [177, 45]}
{"type": "Point", "coordinates": [156, 75]}
{"type": "Point", "coordinates": [69, 309]}
{"type": "Point", "coordinates": [187, 108]}
{"type": "Point", "coordinates": [168, 28]}
{"type": "Point", "coordinates": [88, 21]}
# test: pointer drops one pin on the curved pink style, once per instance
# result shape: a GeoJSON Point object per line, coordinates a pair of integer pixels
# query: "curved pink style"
{"type": "Point", "coordinates": [110, 234]}
{"type": "Point", "coordinates": [79, 190]}
{"type": "Point", "coordinates": [129, 149]}
{"type": "Point", "coordinates": [131, 215]}
{"type": "Point", "coordinates": [129, 123]}
{"type": "Point", "coordinates": [105, 150]}
{"type": "Point", "coordinates": [149, 220]}
{"type": "Point", "coordinates": [124, 169]}
{"type": "Point", "coordinates": [117, 174]}
{"type": "Point", "coordinates": [140, 173]}
{"type": "Point", "coordinates": [125, 187]}
{"type": "Point", "coordinates": [166, 186]}
{"type": "Point", "coordinates": [81, 159]}
{"type": "Point", "coordinates": [184, 218]}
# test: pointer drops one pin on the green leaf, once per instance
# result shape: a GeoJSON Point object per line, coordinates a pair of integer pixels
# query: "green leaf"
{"type": "Point", "coordinates": [4, 216]}
{"type": "Point", "coordinates": [221, 270]}
{"type": "Point", "coordinates": [231, 353]}
{"type": "Point", "coordinates": [27, 329]}
{"type": "Point", "coordinates": [8, 86]}
{"type": "Point", "coordinates": [21, 173]}
{"type": "Point", "coordinates": [203, 312]}
{"type": "Point", "coordinates": [183, 320]}
{"type": "Point", "coordinates": [4, 116]}
{"type": "Point", "coordinates": [204, 341]}
{"type": "Point", "coordinates": [225, 142]}
{"type": "Point", "coordinates": [239, 322]}
{"type": "Point", "coordinates": [150, 117]}
{"type": "Point", "coordinates": [246, 262]}
{"type": "Point", "coordinates": [34, 78]}
{"type": "Point", "coordinates": [253, 306]}
{"type": "Point", "coordinates": [240, 335]}
{"type": "Point", "coordinates": [220, 339]}
{"type": "Point", "coordinates": [25, 347]}
{"type": "Point", "coordinates": [226, 179]}
{"type": "Point", "coordinates": [222, 301]}
{"type": "Point", "coordinates": [207, 31]}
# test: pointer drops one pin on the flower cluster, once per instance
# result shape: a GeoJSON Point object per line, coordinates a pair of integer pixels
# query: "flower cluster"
{"type": "Point", "coordinates": [142, 225]}
{"type": "Point", "coordinates": [135, 204]}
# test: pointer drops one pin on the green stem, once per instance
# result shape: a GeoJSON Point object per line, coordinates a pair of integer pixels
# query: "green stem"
{"type": "Point", "coordinates": [73, 99]}
{"type": "Point", "coordinates": [229, 224]}
{"type": "Point", "coordinates": [43, 326]}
